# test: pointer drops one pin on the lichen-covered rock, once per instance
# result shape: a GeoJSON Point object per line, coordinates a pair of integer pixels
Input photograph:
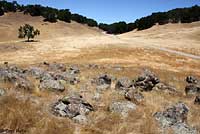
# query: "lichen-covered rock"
{"type": "Point", "coordinates": [135, 96]}
{"type": "Point", "coordinates": [15, 76]}
{"type": "Point", "coordinates": [122, 107]}
{"type": "Point", "coordinates": [182, 128]}
{"type": "Point", "coordinates": [124, 84]}
{"type": "Point", "coordinates": [146, 81]}
{"type": "Point", "coordinates": [69, 78]}
{"type": "Point", "coordinates": [173, 114]}
{"type": "Point", "coordinates": [72, 106]}
{"type": "Point", "coordinates": [165, 88]}
{"type": "Point", "coordinates": [54, 85]}
{"type": "Point", "coordinates": [103, 80]}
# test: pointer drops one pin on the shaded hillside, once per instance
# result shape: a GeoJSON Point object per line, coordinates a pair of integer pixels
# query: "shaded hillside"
{"type": "Point", "coordinates": [183, 15]}
{"type": "Point", "coordinates": [10, 23]}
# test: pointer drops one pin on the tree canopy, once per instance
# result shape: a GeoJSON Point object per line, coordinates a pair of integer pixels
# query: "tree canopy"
{"type": "Point", "coordinates": [28, 31]}
{"type": "Point", "coordinates": [183, 15]}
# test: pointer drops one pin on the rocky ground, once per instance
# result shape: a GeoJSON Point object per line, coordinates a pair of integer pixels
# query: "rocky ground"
{"type": "Point", "coordinates": [91, 98]}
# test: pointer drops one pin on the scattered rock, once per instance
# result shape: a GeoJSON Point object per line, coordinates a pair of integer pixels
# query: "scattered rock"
{"type": "Point", "coordinates": [122, 107]}
{"type": "Point", "coordinates": [103, 80]}
{"type": "Point", "coordinates": [16, 76]}
{"type": "Point", "coordinates": [146, 81]}
{"type": "Point", "coordinates": [165, 87]}
{"type": "Point", "coordinates": [124, 84]}
{"type": "Point", "coordinates": [135, 96]}
{"type": "Point", "coordinates": [193, 86]}
{"type": "Point", "coordinates": [174, 114]}
{"type": "Point", "coordinates": [36, 72]}
{"type": "Point", "coordinates": [182, 128]}
{"type": "Point", "coordinates": [197, 100]}
{"type": "Point", "coordinates": [81, 119]}
{"type": "Point", "coordinates": [56, 67]}
{"type": "Point", "coordinates": [72, 106]}
{"type": "Point", "coordinates": [192, 89]}
{"type": "Point", "coordinates": [74, 70]}
{"type": "Point", "coordinates": [52, 85]}
{"type": "Point", "coordinates": [70, 78]}
{"type": "Point", "coordinates": [191, 80]}
{"type": "Point", "coordinates": [2, 92]}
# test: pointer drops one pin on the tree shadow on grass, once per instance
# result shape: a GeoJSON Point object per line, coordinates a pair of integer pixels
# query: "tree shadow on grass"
{"type": "Point", "coordinates": [31, 41]}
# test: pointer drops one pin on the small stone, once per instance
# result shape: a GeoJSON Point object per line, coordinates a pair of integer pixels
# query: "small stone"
{"type": "Point", "coordinates": [197, 100]}
{"type": "Point", "coordinates": [81, 119]}
{"type": "Point", "coordinates": [192, 89]}
{"type": "Point", "coordinates": [2, 92]}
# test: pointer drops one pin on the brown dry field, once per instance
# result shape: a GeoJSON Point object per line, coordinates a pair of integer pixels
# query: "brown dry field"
{"type": "Point", "coordinates": [28, 111]}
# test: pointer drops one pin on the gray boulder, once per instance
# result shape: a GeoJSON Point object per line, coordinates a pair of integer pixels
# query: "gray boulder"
{"type": "Point", "coordinates": [69, 78]}
{"type": "Point", "coordinates": [164, 87]}
{"type": "Point", "coordinates": [15, 76]}
{"type": "Point", "coordinates": [124, 84]}
{"type": "Point", "coordinates": [123, 108]}
{"type": "Point", "coordinates": [72, 106]}
{"type": "Point", "coordinates": [182, 128]}
{"type": "Point", "coordinates": [103, 79]}
{"type": "Point", "coordinates": [146, 81]}
{"type": "Point", "coordinates": [173, 114]}
{"type": "Point", "coordinates": [54, 85]}
{"type": "Point", "coordinates": [135, 96]}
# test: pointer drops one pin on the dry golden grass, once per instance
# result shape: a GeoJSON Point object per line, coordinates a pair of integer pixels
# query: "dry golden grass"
{"type": "Point", "coordinates": [29, 112]}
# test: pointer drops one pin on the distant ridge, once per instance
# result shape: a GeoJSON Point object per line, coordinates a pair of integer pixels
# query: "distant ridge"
{"type": "Point", "coordinates": [178, 15]}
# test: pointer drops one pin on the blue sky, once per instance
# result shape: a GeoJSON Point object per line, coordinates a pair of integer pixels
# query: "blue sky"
{"type": "Point", "coordinates": [109, 11]}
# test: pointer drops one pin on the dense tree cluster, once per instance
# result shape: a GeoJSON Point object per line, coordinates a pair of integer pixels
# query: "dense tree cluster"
{"type": "Point", "coordinates": [183, 15]}
{"type": "Point", "coordinates": [49, 14]}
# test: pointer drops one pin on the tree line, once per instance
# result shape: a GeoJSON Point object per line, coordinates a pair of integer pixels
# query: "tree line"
{"type": "Point", "coordinates": [183, 15]}
{"type": "Point", "coordinates": [49, 14]}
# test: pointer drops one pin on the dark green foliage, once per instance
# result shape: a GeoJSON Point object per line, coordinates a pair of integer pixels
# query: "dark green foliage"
{"type": "Point", "coordinates": [28, 31]}
{"type": "Point", "coordinates": [64, 15]}
{"type": "Point", "coordinates": [1, 11]}
{"type": "Point", "coordinates": [183, 15]}
{"type": "Point", "coordinates": [84, 20]}
{"type": "Point", "coordinates": [8, 6]}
